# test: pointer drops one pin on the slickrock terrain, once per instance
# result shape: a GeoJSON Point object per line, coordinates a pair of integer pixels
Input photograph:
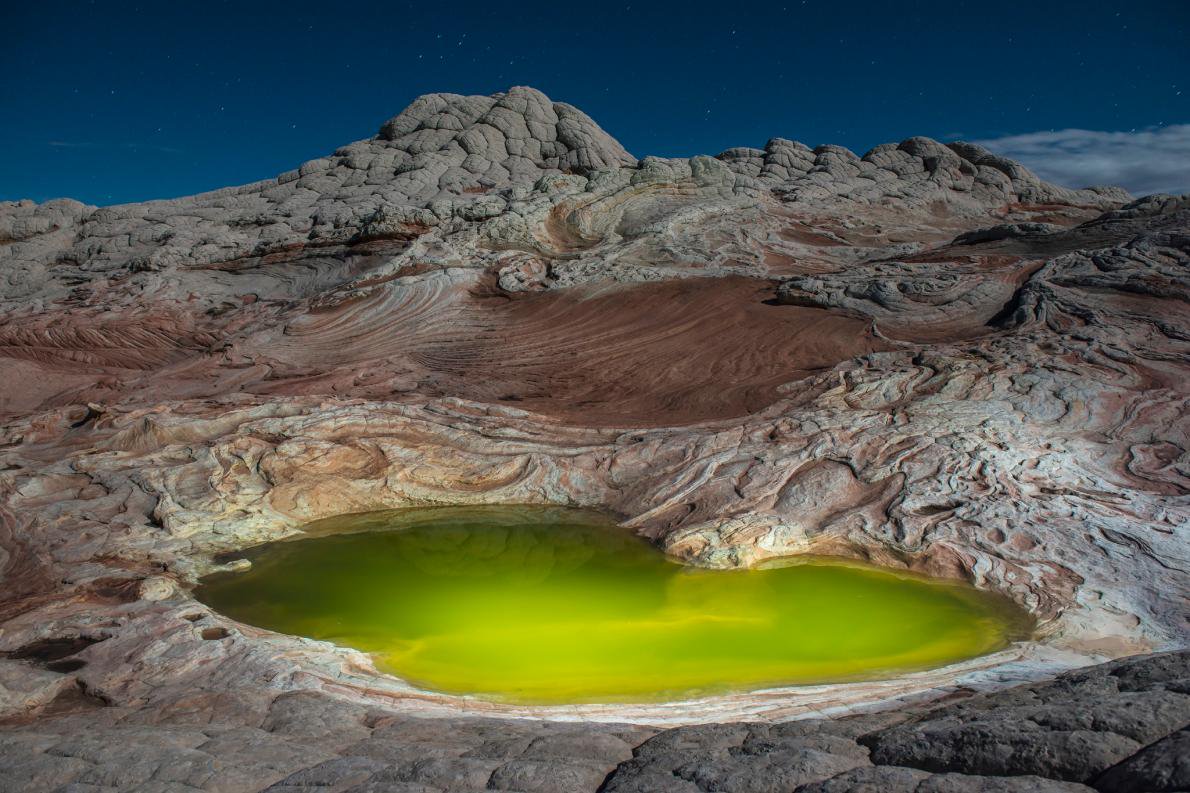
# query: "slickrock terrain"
{"type": "Point", "coordinates": [923, 357]}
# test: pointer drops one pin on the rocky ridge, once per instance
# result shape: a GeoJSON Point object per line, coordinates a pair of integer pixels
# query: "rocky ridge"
{"type": "Point", "coordinates": [924, 356]}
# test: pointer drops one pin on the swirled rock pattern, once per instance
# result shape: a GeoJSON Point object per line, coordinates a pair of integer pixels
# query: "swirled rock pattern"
{"type": "Point", "coordinates": [923, 356]}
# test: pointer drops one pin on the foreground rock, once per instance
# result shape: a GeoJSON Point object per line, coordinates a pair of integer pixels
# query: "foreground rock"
{"type": "Point", "coordinates": [1114, 728]}
{"type": "Point", "coordinates": [924, 357]}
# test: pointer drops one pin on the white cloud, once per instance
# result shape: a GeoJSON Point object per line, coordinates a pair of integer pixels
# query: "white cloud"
{"type": "Point", "coordinates": [1155, 160]}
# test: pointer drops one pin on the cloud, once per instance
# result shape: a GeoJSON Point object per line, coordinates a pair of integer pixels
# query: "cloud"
{"type": "Point", "coordinates": [1155, 160]}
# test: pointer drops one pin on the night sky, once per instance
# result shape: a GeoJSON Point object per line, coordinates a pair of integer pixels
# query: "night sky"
{"type": "Point", "coordinates": [111, 102]}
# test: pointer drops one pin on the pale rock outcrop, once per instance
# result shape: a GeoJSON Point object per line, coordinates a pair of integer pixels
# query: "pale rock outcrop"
{"type": "Point", "coordinates": [923, 356]}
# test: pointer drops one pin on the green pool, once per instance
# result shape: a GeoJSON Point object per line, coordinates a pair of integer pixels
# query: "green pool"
{"type": "Point", "coordinates": [539, 605]}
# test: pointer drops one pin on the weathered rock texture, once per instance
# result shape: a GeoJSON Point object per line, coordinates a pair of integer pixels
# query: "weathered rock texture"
{"type": "Point", "coordinates": [924, 356]}
{"type": "Point", "coordinates": [1114, 727]}
{"type": "Point", "coordinates": [1117, 728]}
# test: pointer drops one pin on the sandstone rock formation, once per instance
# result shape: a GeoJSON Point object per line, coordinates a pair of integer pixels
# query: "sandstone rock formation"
{"type": "Point", "coordinates": [924, 356]}
{"type": "Point", "coordinates": [1076, 734]}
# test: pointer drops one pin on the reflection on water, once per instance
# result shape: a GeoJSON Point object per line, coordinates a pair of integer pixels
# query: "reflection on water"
{"type": "Point", "coordinates": [550, 605]}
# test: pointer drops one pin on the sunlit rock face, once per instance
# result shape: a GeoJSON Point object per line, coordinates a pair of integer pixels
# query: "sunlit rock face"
{"type": "Point", "coordinates": [923, 357]}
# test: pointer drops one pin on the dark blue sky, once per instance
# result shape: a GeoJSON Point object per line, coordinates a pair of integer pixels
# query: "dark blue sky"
{"type": "Point", "coordinates": [110, 101]}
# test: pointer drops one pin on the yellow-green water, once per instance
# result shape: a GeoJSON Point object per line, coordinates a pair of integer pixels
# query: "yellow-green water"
{"type": "Point", "coordinates": [535, 605]}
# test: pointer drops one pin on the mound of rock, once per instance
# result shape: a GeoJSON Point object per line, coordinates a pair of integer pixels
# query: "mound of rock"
{"type": "Point", "coordinates": [923, 356]}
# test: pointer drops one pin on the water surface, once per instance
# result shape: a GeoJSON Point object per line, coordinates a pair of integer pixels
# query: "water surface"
{"type": "Point", "coordinates": [546, 605]}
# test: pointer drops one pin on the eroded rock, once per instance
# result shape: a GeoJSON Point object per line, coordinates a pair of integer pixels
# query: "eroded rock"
{"type": "Point", "coordinates": [923, 356]}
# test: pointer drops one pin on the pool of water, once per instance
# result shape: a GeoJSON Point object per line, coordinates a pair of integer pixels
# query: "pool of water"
{"type": "Point", "coordinates": [541, 605]}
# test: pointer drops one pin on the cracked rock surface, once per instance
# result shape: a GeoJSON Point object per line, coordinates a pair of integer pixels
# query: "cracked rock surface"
{"type": "Point", "coordinates": [924, 357]}
{"type": "Point", "coordinates": [1083, 731]}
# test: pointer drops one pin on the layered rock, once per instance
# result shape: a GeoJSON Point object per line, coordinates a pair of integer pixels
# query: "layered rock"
{"type": "Point", "coordinates": [924, 356]}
